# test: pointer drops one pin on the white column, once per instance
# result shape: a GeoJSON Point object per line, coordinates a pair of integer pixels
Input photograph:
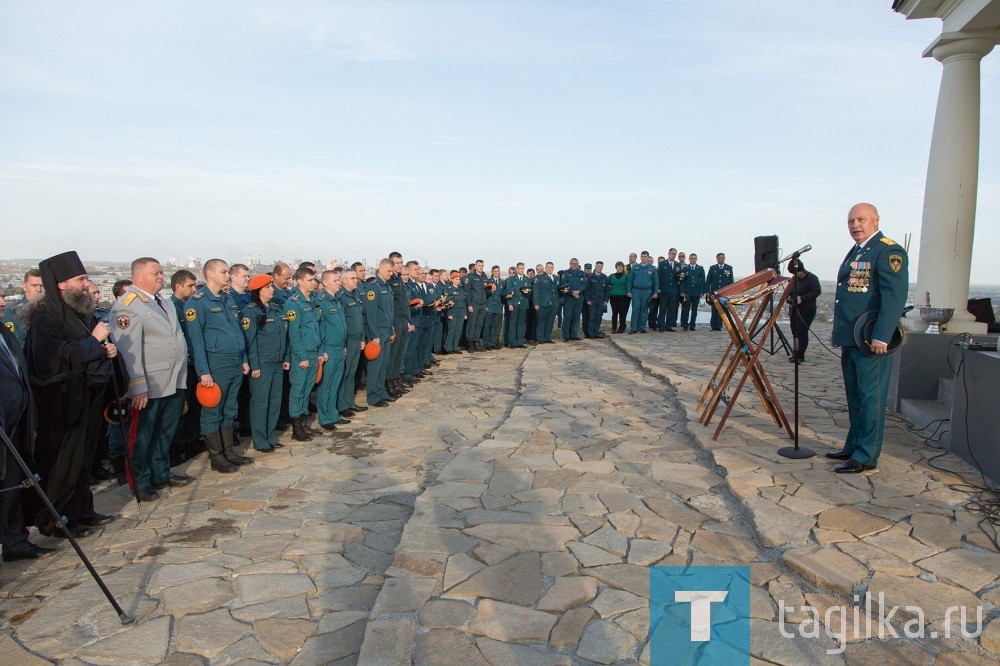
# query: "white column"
{"type": "Point", "coordinates": [949, 216]}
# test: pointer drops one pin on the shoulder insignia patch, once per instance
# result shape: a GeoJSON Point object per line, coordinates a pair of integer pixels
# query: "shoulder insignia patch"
{"type": "Point", "coordinates": [371, 295]}
{"type": "Point", "coordinates": [200, 294]}
{"type": "Point", "coordinates": [295, 297]}
{"type": "Point", "coordinates": [129, 297]}
{"type": "Point", "coordinates": [10, 326]}
{"type": "Point", "coordinates": [887, 241]}
{"type": "Point", "coordinates": [123, 321]}
{"type": "Point", "coordinates": [290, 315]}
{"type": "Point", "coordinates": [190, 314]}
{"type": "Point", "coordinates": [895, 262]}
{"type": "Point", "coordinates": [246, 323]}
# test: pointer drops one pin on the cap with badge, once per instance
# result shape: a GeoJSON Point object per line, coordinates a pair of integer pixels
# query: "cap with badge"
{"type": "Point", "coordinates": [588, 266]}
{"type": "Point", "coordinates": [863, 329]}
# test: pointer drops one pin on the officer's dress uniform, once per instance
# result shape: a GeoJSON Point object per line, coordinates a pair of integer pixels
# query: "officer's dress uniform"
{"type": "Point", "coordinates": [874, 276]}
{"type": "Point", "coordinates": [517, 306]}
{"type": "Point", "coordinates": [303, 345]}
{"type": "Point", "coordinates": [718, 277]}
{"type": "Point", "coordinates": [377, 300]}
{"type": "Point", "coordinates": [267, 349]}
{"type": "Point", "coordinates": [692, 286]}
{"type": "Point", "coordinates": [152, 348]}
{"type": "Point", "coordinates": [597, 294]}
{"type": "Point", "coordinates": [400, 324]}
{"type": "Point", "coordinates": [219, 348]}
{"type": "Point", "coordinates": [546, 297]}
{"type": "Point", "coordinates": [439, 319]}
{"type": "Point", "coordinates": [643, 282]}
{"type": "Point", "coordinates": [354, 319]}
{"type": "Point", "coordinates": [414, 359]}
{"type": "Point", "coordinates": [475, 297]}
{"type": "Point", "coordinates": [494, 314]}
{"type": "Point", "coordinates": [576, 280]}
{"type": "Point", "coordinates": [333, 343]}
{"type": "Point", "coordinates": [667, 314]}
{"type": "Point", "coordinates": [457, 313]}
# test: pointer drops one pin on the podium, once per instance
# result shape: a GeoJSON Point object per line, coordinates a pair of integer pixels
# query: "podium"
{"type": "Point", "coordinates": [757, 292]}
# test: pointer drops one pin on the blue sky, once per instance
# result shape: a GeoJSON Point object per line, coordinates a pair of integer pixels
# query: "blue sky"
{"type": "Point", "coordinates": [453, 131]}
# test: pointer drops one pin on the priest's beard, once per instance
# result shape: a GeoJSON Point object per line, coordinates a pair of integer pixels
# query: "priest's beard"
{"type": "Point", "coordinates": [81, 302]}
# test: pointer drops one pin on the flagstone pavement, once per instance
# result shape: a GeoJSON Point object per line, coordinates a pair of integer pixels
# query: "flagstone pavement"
{"type": "Point", "coordinates": [506, 512]}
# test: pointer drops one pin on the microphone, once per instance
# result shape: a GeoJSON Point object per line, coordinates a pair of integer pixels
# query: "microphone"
{"type": "Point", "coordinates": [795, 255]}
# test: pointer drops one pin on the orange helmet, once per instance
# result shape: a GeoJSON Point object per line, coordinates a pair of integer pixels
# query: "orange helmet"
{"type": "Point", "coordinates": [372, 350]}
{"type": "Point", "coordinates": [208, 396]}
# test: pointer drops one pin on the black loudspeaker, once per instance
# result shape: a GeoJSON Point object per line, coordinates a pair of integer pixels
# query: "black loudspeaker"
{"type": "Point", "coordinates": [765, 253]}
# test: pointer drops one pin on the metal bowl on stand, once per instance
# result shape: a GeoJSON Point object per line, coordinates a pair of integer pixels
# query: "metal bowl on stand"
{"type": "Point", "coordinates": [935, 317]}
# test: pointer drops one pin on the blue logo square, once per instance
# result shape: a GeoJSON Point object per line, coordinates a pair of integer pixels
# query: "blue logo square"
{"type": "Point", "coordinates": [699, 615]}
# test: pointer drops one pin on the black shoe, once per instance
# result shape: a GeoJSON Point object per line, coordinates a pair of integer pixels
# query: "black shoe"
{"type": "Point", "coordinates": [631, 332]}
{"type": "Point", "coordinates": [839, 455]}
{"type": "Point", "coordinates": [667, 330]}
{"type": "Point", "coordinates": [277, 445]}
{"type": "Point", "coordinates": [94, 520]}
{"type": "Point", "coordinates": [347, 413]}
{"type": "Point", "coordinates": [359, 408]}
{"type": "Point", "coordinates": [269, 449]}
{"type": "Point", "coordinates": [344, 421]}
{"type": "Point", "coordinates": [29, 552]}
{"type": "Point", "coordinates": [643, 332]}
{"type": "Point", "coordinates": [852, 467]}
{"type": "Point", "coordinates": [328, 426]}
{"type": "Point", "coordinates": [47, 527]}
{"type": "Point", "coordinates": [147, 495]}
{"type": "Point", "coordinates": [383, 403]}
{"type": "Point", "coordinates": [175, 480]}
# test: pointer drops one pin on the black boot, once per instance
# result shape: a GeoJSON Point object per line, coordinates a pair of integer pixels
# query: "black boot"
{"type": "Point", "coordinates": [299, 432]}
{"type": "Point", "coordinates": [213, 443]}
{"type": "Point", "coordinates": [309, 429]}
{"type": "Point", "coordinates": [229, 453]}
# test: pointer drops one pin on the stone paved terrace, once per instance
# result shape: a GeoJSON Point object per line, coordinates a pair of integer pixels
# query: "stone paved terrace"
{"type": "Point", "coordinates": [506, 512]}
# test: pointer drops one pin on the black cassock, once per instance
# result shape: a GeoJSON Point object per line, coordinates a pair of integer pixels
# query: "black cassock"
{"type": "Point", "coordinates": [70, 375]}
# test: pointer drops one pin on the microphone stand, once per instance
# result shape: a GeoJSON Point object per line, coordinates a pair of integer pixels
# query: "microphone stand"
{"type": "Point", "coordinates": [31, 480]}
{"type": "Point", "coordinates": [795, 452]}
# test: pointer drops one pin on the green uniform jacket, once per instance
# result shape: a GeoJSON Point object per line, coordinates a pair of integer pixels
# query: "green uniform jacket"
{"type": "Point", "coordinates": [354, 314]}
{"type": "Point", "coordinates": [544, 291]}
{"type": "Point", "coordinates": [12, 320]}
{"type": "Point", "coordinates": [332, 324]}
{"type": "Point", "coordinates": [303, 328]}
{"type": "Point", "coordinates": [266, 334]}
{"type": "Point", "coordinates": [876, 278]}
{"type": "Point", "coordinates": [214, 330]}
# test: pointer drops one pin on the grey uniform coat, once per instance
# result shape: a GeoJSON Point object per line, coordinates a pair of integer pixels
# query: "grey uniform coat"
{"type": "Point", "coordinates": [151, 344]}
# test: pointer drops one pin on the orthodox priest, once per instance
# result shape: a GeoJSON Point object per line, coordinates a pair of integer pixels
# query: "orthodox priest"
{"type": "Point", "coordinates": [69, 362]}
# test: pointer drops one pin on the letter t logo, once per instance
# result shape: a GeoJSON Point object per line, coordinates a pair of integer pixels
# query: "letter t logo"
{"type": "Point", "coordinates": [701, 610]}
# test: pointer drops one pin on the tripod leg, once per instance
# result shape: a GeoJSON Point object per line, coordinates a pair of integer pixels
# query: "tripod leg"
{"type": "Point", "coordinates": [61, 524]}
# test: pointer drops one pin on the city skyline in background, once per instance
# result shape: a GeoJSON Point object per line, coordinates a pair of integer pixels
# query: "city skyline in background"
{"type": "Point", "coordinates": [456, 131]}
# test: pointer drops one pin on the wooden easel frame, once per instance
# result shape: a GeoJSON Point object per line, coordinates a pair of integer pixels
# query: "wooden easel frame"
{"type": "Point", "coordinates": [758, 290]}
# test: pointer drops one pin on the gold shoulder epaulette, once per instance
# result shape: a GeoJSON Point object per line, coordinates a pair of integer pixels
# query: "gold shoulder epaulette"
{"type": "Point", "coordinates": [887, 241]}
{"type": "Point", "coordinates": [129, 297]}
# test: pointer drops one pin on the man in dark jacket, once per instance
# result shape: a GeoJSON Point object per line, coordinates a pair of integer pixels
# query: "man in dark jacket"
{"type": "Point", "coordinates": [801, 306]}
